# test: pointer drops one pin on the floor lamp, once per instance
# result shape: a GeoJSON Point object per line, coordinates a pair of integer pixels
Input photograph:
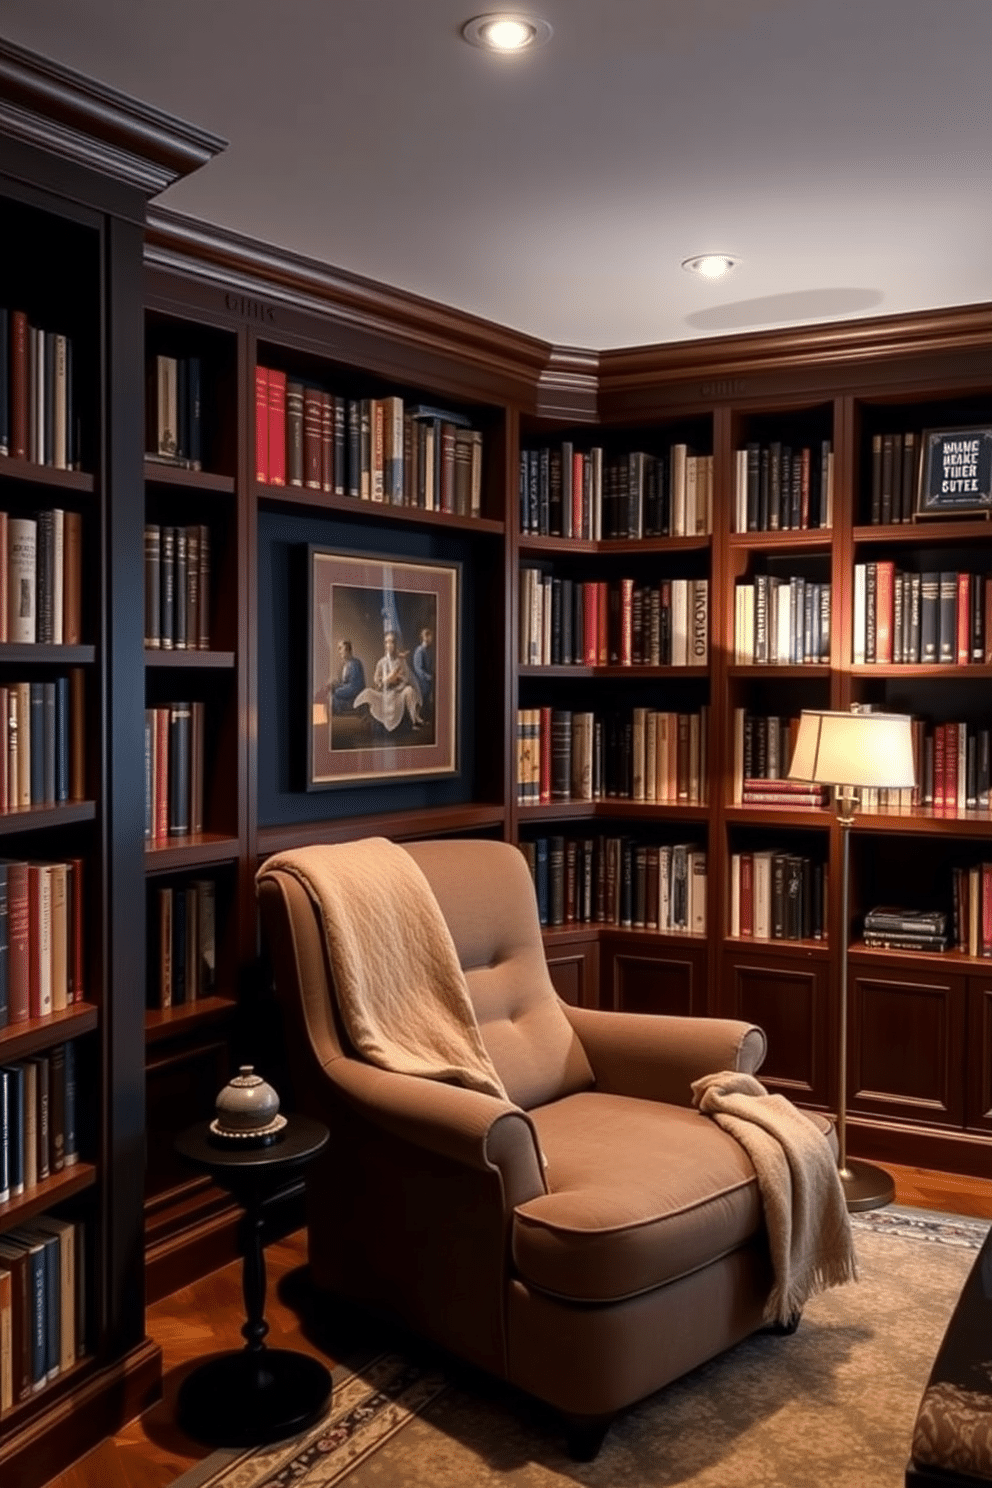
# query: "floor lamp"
{"type": "Point", "coordinates": [852, 752]}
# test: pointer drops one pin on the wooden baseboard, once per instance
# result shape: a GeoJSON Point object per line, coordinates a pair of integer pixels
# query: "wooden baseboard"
{"type": "Point", "coordinates": [74, 1421]}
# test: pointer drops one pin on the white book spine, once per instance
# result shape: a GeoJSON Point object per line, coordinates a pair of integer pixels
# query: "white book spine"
{"type": "Point", "coordinates": [22, 579]}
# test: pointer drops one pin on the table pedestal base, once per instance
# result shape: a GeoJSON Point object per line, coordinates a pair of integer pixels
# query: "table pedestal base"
{"type": "Point", "coordinates": [251, 1398]}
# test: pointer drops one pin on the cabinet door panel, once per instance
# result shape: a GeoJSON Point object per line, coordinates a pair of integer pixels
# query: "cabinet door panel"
{"type": "Point", "coordinates": [907, 1046]}
{"type": "Point", "coordinates": [978, 1113]}
{"type": "Point", "coordinates": [655, 981]}
{"type": "Point", "coordinates": [575, 973]}
{"type": "Point", "coordinates": [790, 1004]}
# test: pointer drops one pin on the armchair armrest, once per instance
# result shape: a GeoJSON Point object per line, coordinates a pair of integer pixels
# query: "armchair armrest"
{"type": "Point", "coordinates": [657, 1057]}
{"type": "Point", "coordinates": [465, 1126]}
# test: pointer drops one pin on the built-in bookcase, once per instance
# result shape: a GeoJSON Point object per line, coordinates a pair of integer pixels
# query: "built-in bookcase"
{"type": "Point", "coordinates": [71, 926]}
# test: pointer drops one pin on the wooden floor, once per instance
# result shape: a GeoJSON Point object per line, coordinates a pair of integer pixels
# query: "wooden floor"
{"type": "Point", "coordinates": [206, 1317]}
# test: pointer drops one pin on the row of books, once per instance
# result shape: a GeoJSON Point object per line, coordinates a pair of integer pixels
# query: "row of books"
{"type": "Point", "coordinates": [42, 913]}
{"type": "Point", "coordinates": [37, 411]}
{"type": "Point", "coordinates": [41, 576]}
{"type": "Point", "coordinates": [762, 752]}
{"type": "Point", "coordinates": [619, 881]}
{"type": "Point", "coordinates": [971, 898]}
{"type": "Point", "coordinates": [372, 449]}
{"type": "Point", "coordinates": [636, 754]}
{"type": "Point", "coordinates": [177, 587]}
{"type": "Point", "coordinates": [42, 1305]}
{"type": "Point", "coordinates": [41, 742]}
{"type": "Point", "coordinates": [781, 621]}
{"type": "Point", "coordinates": [37, 1119]}
{"type": "Point", "coordinates": [893, 928]}
{"type": "Point", "coordinates": [778, 488]}
{"type": "Point", "coordinates": [182, 943]}
{"type": "Point", "coordinates": [174, 412]}
{"type": "Point", "coordinates": [565, 492]}
{"type": "Point", "coordinates": [777, 895]}
{"type": "Point", "coordinates": [174, 763]}
{"type": "Point", "coordinates": [940, 616]}
{"type": "Point", "coordinates": [565, 622]}
{"type": "Point", "coordinates": [894, 477]}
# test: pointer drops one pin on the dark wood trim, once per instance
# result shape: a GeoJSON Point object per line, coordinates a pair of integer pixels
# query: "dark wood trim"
{"type": "Point", "coordinates": [405, 826]}
{"type": "Point", "coordinates": [70, 1421]}
{"type": "Point", "coordinates": [53, 107]}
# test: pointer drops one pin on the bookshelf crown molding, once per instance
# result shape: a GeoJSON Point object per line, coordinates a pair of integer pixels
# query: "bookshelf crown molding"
{"type": "Point", "coordinates": [90, 124]}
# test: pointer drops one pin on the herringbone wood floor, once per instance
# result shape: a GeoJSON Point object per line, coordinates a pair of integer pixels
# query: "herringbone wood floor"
{"type": "Point", "coordinates": [206, 1317]}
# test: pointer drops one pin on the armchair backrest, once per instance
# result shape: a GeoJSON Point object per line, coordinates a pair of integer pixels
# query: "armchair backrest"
{"type": "Point", "coordinates": [487, 899]}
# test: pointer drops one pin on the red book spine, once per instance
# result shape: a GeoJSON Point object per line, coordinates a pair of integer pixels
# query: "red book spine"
{"type": "Point", "coordinates": [590, 623]}
{"type": "Point", "coordinates": [161, 774]}
{"type": "Point", "coordinates": [603, 622]}
{"type": "Point", "coordinates": [985, 947]}
{"type": "Point", "coordinates": [626, 622]}
{"type": "Point", "coordinates": [951, 766]}
{"type": "Point", "coordinates": [939, 750]}
{"type": "Point", "coordinates": [964, 619]}
{"type": "Point", "coordinates": [747, 895]}
{"type": "Point", "coordinates": [262, 424]}
{"type": "Point", "coordinates": [884, 585]}
{"type": "Point", "coordinates": [578, 477]}
{"type": "Point", "coordinates": [544, 795]}
{"type": "Point", "coordinates": [19, 384]}
{"type": "Point", "coordinates": [18, 986]}
{"type": "Point", "coordinates": [277, 428]}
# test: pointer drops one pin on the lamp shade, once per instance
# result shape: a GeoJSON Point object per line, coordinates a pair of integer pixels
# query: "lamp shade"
{"type": "Point", "coordinates": [863, 750]}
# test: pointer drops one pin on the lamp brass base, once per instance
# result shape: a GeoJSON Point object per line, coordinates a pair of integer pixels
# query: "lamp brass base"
{"type": "Point", "coordinates": [865, 1186]}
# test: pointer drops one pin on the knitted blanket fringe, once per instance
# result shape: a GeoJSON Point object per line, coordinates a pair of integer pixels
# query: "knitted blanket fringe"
{"type": "Point", "coordinates": [809, 1229]}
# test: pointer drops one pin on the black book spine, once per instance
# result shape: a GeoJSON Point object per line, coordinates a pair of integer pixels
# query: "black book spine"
{"type": "Point", "coordinates": [753, 486]}
{"type": "Point", "coordinates": [37, 730]}
{"type": "Point", "coordinates": [168, 588]}
{"type": "Point", "coordinates": [947, 628]}
{"type": "Point", "coordinates": [908, 475]}
{"type": "Point", "coordinates": [976, 627]}
{"type": "Point", "coordinates": [180, 716]}
{"type": "Point", "coordinates": [194, 414]}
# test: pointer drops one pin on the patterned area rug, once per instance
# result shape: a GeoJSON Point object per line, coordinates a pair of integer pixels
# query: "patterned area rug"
{"type": "Point", "coordinates": [833, 1403]}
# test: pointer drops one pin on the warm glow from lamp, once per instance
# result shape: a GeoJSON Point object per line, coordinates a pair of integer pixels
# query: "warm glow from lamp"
{"type": "Point", "coordinates": [505, 31]}
{"type": "Point", "coordinates": [862, 750]}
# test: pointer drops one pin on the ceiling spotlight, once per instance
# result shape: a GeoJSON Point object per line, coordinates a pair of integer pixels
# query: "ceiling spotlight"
{"type": "Point", "coordinates": [506, 31]}
{"type": "Point", "coordinates": [710, 265]}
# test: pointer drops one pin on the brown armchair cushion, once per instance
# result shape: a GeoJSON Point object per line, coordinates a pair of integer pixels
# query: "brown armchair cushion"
{"type": "Point", "coordinates": [641, 1193]}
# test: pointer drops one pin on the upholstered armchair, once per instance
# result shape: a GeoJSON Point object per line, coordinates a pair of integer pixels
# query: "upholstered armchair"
{"type": "Point", "coordinates": [591, 1237]}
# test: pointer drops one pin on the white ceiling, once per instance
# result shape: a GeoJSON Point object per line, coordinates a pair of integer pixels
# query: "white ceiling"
{"type": "Point", "coordinates": [842, 149]}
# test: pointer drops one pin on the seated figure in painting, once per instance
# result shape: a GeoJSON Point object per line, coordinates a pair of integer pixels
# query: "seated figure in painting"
{"type": "Point", "coordinates": [394, 691]}
{"type": "Point", "coordinates": [350, 682]}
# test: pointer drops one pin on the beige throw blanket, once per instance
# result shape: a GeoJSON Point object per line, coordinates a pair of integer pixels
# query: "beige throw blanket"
{"type": "Point", "coordinates": [809, 1230]}
{"type": "Point", "coordinates": [401, 991]}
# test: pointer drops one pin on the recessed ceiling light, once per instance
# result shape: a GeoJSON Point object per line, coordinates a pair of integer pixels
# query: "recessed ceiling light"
{"type": "Point", "coordinates": [710, 265]}
{"type": "Point", "coordinates": [506, 31]}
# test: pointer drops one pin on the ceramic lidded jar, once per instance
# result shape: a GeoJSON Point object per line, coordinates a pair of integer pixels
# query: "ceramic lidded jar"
{"type": "Point", "coordinates": [246, 1105]}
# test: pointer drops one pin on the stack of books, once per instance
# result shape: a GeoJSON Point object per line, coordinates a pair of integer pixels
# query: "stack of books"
{"type": "Point", "coordinates": [906, 929]}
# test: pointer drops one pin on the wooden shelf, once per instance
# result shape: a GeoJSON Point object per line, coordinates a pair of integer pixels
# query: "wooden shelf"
{"type": "Point", "coordinates": [49, 1191]}
{"type": "Point", "coordinates": [173, 660]}
{"type": "Point", "coordinates": [629, 673]}
{"type": "Point", "coordinates": [12, 469]}
{"type": "Point", "coordinates": [165, 1023]}
{"type": "Point", "coordinates": [32, 818]}
{"type": "Point", "coordinates": [610, 547]}
{"type": "Point", "coordinates": [778, 947]}
{"type": "Point", "coordinates": [816, 818]}
{"type": "Point", "coordinates": [810, 671]}
{"type": "Point", "coordinates": [403, 826]}
{"type": "Point", "coordinates": [923, 534]}
{"type": "Point", "coordinates": [376, 511]}
{"type": "Point", "coordinates": [926, 821]}
{"type": "Point", "coordinates": [198, 850]}
{"type": "Point", "coordinates": [612, 807]}
{"type": "Point", "coordinates": [817, 540]}
{"type": "Point", "coordinates": [39, 653]}
{"type": "Point", "coordinates": [19, 1040]}
{"type": "Point", "coordinates": [202, 481]}
{"type": "Point", "coordinates": [921, 670]}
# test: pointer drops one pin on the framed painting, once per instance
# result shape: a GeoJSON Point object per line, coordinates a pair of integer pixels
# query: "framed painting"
{"type": "Point", "coordinates": [383, 668]}
{"type": "Point", "coordinates": [955, 473]}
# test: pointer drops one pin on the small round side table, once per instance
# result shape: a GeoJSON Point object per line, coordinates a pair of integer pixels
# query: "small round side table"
{"type": "Point", "coordinates": [255, 1395]}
